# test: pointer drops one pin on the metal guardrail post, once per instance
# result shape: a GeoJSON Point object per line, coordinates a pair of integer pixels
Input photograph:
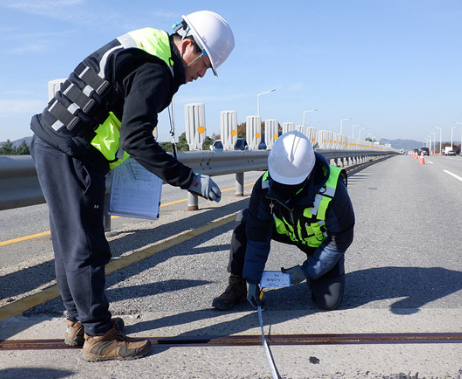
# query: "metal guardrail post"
{"type": "Point", "coordinates": [239, 184]}
{"type": "Point", "coordinates": [193, 202]}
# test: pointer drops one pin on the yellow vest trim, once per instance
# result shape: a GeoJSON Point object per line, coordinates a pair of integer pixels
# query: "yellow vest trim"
{"type": "Point", "coordinates": [107, 139]}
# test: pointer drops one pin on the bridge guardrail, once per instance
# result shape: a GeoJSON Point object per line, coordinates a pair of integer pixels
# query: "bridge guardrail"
{"type": "Point", "coordinates": [19, 185]}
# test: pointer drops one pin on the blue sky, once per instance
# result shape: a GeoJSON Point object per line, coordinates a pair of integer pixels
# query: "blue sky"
{"type": "Point", "coordinates": [393, 66]}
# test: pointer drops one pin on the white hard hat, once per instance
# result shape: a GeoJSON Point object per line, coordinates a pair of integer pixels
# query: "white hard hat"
{"type": "Point", "coordinates": [291, 159]}
{"type": "Point", "coordinates": [213, 34]}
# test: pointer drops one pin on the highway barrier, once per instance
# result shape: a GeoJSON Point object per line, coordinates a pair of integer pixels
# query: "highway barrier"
{"type": "Point", "coordinates": [19, 186]}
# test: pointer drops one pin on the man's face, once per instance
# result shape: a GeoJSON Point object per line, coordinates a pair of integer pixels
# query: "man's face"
{"type": "Point", "coordinates": [195, 64]}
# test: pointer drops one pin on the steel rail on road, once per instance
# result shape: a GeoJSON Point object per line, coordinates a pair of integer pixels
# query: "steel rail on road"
{"type": "Point", "coordinates": [254, 340]}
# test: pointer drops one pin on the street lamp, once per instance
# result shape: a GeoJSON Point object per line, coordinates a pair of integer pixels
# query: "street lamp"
{"type": "Point", "coordinates": [311, 110]}
{"type": "Point", "coordinates": [434, 142]}
{"type": "Point", "coordinates": [353, 130]}
{"type": "Point", "coordinates": [441, 129]}
{"type": "Point", "coordinates": [452, 136]}
{"type": "Point", "coordinates": [359, 132]}
{"type": "Point", "coordinates": [460, 123]}
{"type": "Point", "coordinates": [258, 100]}
{"type": "Point", "coordinates": [341, 124]}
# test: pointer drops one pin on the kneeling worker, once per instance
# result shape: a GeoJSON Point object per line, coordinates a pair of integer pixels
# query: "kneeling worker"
{"type": "Point", "coordinates": [302, 201]}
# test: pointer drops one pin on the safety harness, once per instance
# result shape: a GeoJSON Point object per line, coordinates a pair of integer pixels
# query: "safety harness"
{"type": "Point", "coordinates": [310, 229]}
{"type": "Point", "coordinates": [81, 105]}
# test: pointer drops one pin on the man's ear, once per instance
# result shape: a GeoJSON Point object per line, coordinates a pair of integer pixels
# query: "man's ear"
{"type": "Point", "coordinates": [184, 45]}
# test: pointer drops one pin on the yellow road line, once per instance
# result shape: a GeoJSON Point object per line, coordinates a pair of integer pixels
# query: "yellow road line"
{"type": "Point", "coordinates": [18, 307]}
{"type": "Point", "coordinates": [21, 239]}
{"type": "Point", "coordinates": [47, 233]}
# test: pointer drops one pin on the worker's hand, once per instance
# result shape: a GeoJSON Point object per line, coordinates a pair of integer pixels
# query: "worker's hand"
{"type": "Point", "coordinates": [253, 295]}
{"type": "Point", "coordinates": [296, 274]}
{"type": "Point", "coordinates": [204, 186]}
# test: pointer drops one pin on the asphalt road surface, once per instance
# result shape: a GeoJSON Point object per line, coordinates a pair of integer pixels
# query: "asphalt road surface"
{"type": "Point", "coordinates": [404, 275]}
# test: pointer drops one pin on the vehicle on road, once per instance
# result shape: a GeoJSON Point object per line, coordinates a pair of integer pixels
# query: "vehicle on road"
{"type": "Point", "coordinates": [217, 145]}
{"type": "Point", "coordinates": [451, 153]}
{"type": "Point", "coordinates": [424, 151]}
{"type": "Point", "coordinates": [446, 150]}
{"type": "Point", "coordinates": [241, 144]}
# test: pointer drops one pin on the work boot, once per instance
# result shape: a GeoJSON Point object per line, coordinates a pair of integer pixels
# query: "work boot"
{"type": "Point", "coordinates": [235, 293]}
{"type": "Point", "coordinates": [74, 331]}
{"type": "Point", "coordinates": [114, 345]}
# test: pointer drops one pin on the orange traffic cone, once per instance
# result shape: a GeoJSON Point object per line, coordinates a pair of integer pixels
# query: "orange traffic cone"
{"type": "Point", "coordinates": [421, 160]}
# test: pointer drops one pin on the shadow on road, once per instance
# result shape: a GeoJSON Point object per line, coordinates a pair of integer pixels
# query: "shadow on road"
{"type": "Point", "coordinates": [33, 372]}
{"type": "Point", "coordinates": [413, 287]}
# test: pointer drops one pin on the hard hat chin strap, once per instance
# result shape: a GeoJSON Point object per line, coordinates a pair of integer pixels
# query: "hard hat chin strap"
{"type": "Point", "coordinates": [203, 54]}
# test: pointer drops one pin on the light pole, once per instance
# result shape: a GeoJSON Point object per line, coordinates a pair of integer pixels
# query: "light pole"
{"type": "Point", "coordinates": [460, 123]}
{"type": "Point", "coordinates": [452, 136]}
{"type": "Point", "coordinates": [311, 110]}
{"type": "Point", "coordinates": [341, 124]}
{"type": "Point", "coordinates": [359, 132]}
{"type": "Point", "coordinates": [441, 130]}
{"type": "Point", "coordinates": [258, 100]}
{"type": "Point", "coordinates": [353, 130]}
{"type": "Point", "coordinates": [434, 142]}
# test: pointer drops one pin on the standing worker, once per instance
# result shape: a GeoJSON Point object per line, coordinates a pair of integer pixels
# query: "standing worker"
{"type": "Point", "coordinates": [302, 201]}
{"type": "Point", "coordinates": [105, 112]}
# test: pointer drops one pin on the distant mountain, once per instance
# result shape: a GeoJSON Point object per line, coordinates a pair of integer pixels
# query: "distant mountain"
{"type": "Point", "coordinates": [405, 144]}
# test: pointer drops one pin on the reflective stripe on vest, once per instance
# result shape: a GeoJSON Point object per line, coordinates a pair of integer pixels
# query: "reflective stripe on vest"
{"type": "Point", "coordinates": [314, 231]}
{"type": "Point", "coordinates": [107, 139]}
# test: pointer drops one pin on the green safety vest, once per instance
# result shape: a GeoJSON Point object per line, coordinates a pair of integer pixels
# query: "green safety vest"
{"type": "Point", "coordinates": [80, 107]}
{"type": "Point", "coordinates": [107, 139]}
{"type": "Point", "coordinates": [311, 230]}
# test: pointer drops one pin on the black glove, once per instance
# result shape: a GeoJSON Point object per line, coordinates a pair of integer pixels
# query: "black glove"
{"type": "Point", "coordinates": [296, 274]}
{"type": "Point", "coordinates": [253, 295]}
{"type": "Point", "coordinates": [204, 186]}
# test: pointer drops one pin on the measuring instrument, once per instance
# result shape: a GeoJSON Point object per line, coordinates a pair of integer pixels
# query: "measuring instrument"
{"type": "Point", "coordinates": [269, 358]}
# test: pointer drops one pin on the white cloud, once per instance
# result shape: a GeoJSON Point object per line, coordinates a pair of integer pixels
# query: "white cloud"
{"type": "Point", "coordinates": [40, 7]}
{"type": "Point", "coordinates": [18, 107]}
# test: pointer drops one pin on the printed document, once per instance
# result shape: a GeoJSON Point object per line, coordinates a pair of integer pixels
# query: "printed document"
{"type": "Point", "coordinates": [135, 192]}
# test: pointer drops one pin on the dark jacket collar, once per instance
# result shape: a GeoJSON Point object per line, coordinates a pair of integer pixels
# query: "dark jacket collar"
{"type": "Point", "coordinates": [178, 69]}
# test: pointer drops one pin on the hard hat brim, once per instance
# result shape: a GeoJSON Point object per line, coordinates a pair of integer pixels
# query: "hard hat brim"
{"type": "Point", "coordinates": [201, 43]}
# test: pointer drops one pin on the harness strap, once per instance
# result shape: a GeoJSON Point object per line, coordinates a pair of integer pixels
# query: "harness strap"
{"type": "Point", "coordinates": [80, 100]}
{"type": "Point", "coordinates": [91, 78]}
{"type": "Point", "coordinates": [85, 103]}
{"type": "Point", "coordinates": [64, 116]}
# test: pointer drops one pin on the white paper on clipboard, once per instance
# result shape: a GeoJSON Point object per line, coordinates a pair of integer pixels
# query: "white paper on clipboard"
{"type": "Point", "coordinates": [274, 279]}
{"type": "Point", "coordinates": [135, 192]}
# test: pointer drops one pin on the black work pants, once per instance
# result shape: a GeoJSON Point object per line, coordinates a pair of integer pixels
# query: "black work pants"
{"type": "Point", "coordinates": [327, 291]}
{"type": "Point", "coordinates": [74, 193]}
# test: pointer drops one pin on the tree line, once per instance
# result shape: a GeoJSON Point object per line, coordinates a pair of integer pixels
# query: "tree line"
{"type": "Point", "coordinates": [9, 149]}
{"type": "Point", "coordinates": [181, 145]}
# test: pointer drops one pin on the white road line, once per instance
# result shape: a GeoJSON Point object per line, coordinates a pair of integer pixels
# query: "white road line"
{"type": "Point", "coordinates": [454, 175]}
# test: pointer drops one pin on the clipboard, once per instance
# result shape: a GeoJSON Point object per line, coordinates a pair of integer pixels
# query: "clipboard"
{"type": "Point", "coordinates": [135, 192]}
